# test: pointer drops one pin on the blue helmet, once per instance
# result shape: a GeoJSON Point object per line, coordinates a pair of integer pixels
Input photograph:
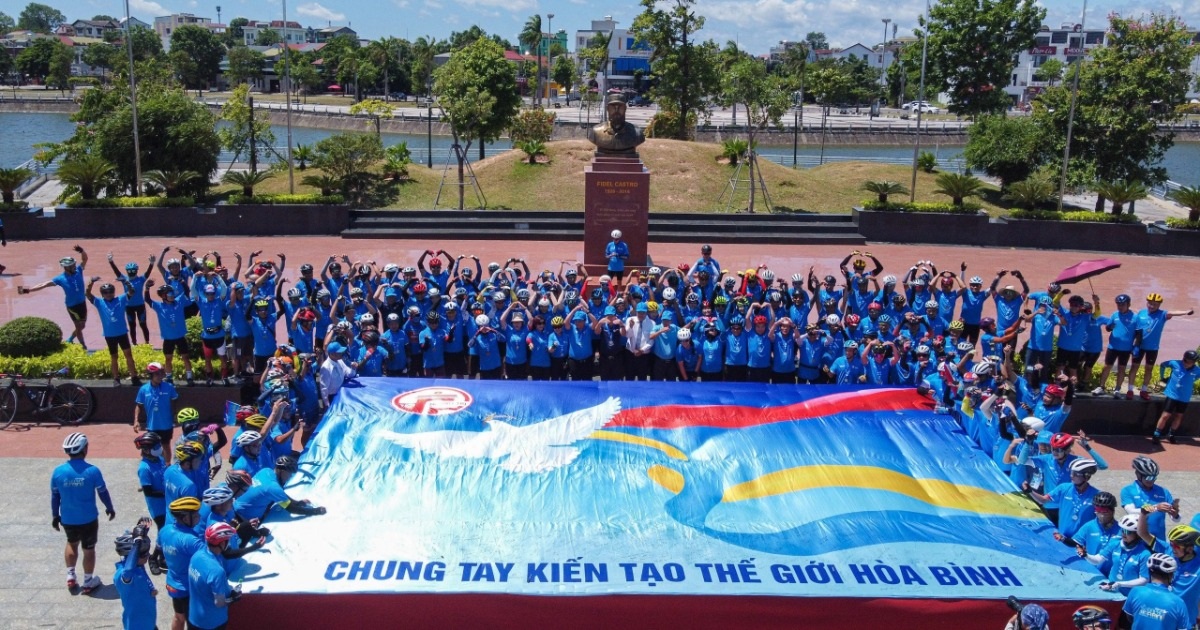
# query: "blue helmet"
{"type": "Point", "coordinates": [131, 267]}
{"type": "Point", "coordinates": [1123, 299]}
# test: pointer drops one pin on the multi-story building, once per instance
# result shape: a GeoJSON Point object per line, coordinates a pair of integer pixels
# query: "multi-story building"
{"type": "Point", "coordinates": [88, 28]}
{"type": "Point", "coordinates": [627, 58]}
{"type": "Point", "coordinates": [291, 33]}
{"type": "Point", "coordinates": [166, 24]}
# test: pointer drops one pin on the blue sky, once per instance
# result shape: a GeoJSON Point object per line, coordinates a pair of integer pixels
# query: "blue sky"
{"type": "Point", "coordinates": [755, 24]}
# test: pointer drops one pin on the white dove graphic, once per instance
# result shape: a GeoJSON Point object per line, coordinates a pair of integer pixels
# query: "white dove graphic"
{"type": "Point", "coordinates": [536, 448]}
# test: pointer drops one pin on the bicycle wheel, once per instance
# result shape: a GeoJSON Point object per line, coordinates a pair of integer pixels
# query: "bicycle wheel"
{"type": "Point", "coordinates": [8, 407]}
{"type": "Point", "coordinates": [71, 403]}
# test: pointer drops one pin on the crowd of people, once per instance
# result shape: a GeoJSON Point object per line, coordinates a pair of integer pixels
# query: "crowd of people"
{"type": "Point", "coordinates": [1009, 377]}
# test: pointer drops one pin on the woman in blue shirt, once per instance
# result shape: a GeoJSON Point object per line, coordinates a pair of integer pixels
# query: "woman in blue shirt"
{"type": "Point", "coordinates": [111, 308]}
{"type": "Point", "coordinates": [1180, 384]}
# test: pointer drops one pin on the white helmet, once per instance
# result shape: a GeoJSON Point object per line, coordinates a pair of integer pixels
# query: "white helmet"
{"type": "Point", "coordinates": [684, 334]}
{"type": "Point", "coordinates": [1129, 522]}
{"type": "Point", "coordinates": [768, 275]}
{"type": "Point", "coordinates": [931, 304]}
{"type": "Point", "coordinates": [889, 279]}
{"type": "Point", "coordinates": [247, 438]}
{"type": "Point", "coordinates": [616, 233]}
{"type": "Point", "coordinates": [668, 294]}
{"type": "Point", "coordinates": [653, 271]}
{"type": "Point", "coordinates": [797, 278]}
{"type": "Point", "coordinates": [1033, 422]}
{"type": "Point", "coordinates": [833, 320]}
{"type": "Point", "coordinates": [75, 443]}
{"type": "Point", "coordinates": [481, 320]}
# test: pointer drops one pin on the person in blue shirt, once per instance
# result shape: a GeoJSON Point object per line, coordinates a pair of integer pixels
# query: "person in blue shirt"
{"type": "Point", "coordinates": [262, 328]}
{"type": "Point", "coordinates": [1074, 499]}
{"type": "Point", "coordinates": [1093, 344]}
{"type": "Point", "coordinates": [1073, 325]}
{"type": "Point", "coordinates": [268, 492]}
{"type": "Point", "coordinates": [172, 327]}
{"type": "Point", "coordinates": [974, 296]}
{"type": "Point", "coordinates": [847, 369]}
{"type": "Point", "coordinates": [1147, 336]}
{"type": "Point", "coordinates": [135, 310]}
{"type": "Point", "coordinates": [1007, 300]}
{"type": "Point", "coordinates": [687, 355]}
{"type": "Point", "coordinates": [139, 611]}
{"type": "Point", "coordinates": [432, 340]}
{"type": "Point", "coordinates": [1041, 341]}
{"type": "Point", "coordinates": [810, 350]}
{"type": "Point", "coordinates": [1120, 326]}
{"type": "Point", "coordinates": [179, 478]}
{"type": "Point", "coordinates": [617, 252]}
{"type": "Point", "coordinates": [878, 368]}
{"type": "Point", "coordinates": [485, 342]}
{"type": "Point", "coordinates": [664, 337]}
{"type": "Point", "coordinates": [71, 281]}
{"type": "Point", "coordinates": [783, 350]}
{"type": "Point", "coordinates": [1094, 535]}
{"type": "Point", "coordinates": [1144, 493]}
{"type": "Point", "coordinates": [370, 357]}
{"type": "Point", "coordinates": [610, 329]}
{"type": "Point", "coordinates": [396, 342]}
{"type": "Point", "coordinates": [579, 343]}
{"type": "Point", "coordinates": [150, 478]}
{"type": "Point", "coordinates": [1122, 560]}
{"type": "Point", "coordinates": [180, 542]}
{"type": "Point", "coordinates": [1180, 543]}
{"type": "Point", "coordinates": [153, 406]}
{"type": "Point", "coordinates": [74, 486]}
{"type": "Point", "coordinates": [1180, 380]}
{"type": "Point", "coordinates": [516, 351]}
{"type": "Point", "coordinates": [111, 309]}
{"type": "Point", "coordinates": [1156, 606]}
{"type": "Point", "coordinates": [209, 590]}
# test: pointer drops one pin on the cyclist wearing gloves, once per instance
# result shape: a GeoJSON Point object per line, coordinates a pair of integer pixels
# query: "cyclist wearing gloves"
{"type": "Point", "coordinates": [1155, 606]}
{"type": "Point", "coordinates": [74, 486]}
{"type": "Point", "coordinates": [1055, 468]}
{"type": "Point", "coordinates": [137, 592]}
{"type": "Point", "coordinates": [1180, 543]}
{"type": "Point", "coordinates": [180, 543]}
{"type": "Point", "coordinates": [208, 583]}
{"type": "Point", "coordinates": [1122, 560]}
{"type": "Point", "coordinates": [1095, 534]}
{"type": "Point", "coordinates": [1074, 500]}
{"type": "Point", "coordinates": [1144, 492]}
{"type": "Point", "coordinates": [150, 478]}
{"type": "Point", "coordinates": [253, 454]}
{"type": "Point", "coordinates": [1178, 391]}
{"type": "Point", "coordinates": [267, 491]}
{"type": "Point", "coordinates": [178, 479]}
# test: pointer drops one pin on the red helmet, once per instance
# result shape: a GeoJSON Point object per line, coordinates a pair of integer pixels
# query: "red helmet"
{"type": "Point", "coordinates": [684, 267]}
{"type": "Point", "coordinates": [760, 319]}
{"type": "Point", "coordinates": [436, 262]}
{"type": "Point", "coordinates": [218, 533]}
{"type": "Point", "coordinates": [852, 319]}
{"type": "Point", "coordinates": [1055, 391]}
{"type": "Point", "coordinates": [1061, 440]}
{"type": "Point", "coordinates": [874, 306]}
{"type": "Point", "coordinates": [420, 287]}
{"type": "Point", "coordinates": [306, 315]}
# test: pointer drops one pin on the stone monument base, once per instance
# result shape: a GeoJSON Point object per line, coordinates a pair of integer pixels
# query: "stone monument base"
{"type": "Point", "coordinates": [616, 197]}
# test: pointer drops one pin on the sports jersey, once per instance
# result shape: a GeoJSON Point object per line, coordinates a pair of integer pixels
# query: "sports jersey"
{"type": "Point", "coordinates": [1007, 310]}
{"type": "Point", "coordinates": [616, 252]}
{"type": "Point", "coordinates": [663, 345]}
{"type": "Point", "coordinates": [488, 350]}
{"type": "Point", "coordinates": [1136, 495]}
{"type": "Point", "coordinates": [1155, 607]}
{"type": "Point", "coordinates": [433, 346]}
{"type": "Point", "coordinates": [207, 581]}
{"type": "Point", "coordinates": [1121, 327]}
{"type": "Point", "coordinates": [783, 353]}
{"type": "Point", "coordinates": [1041, 335]}
{"type": "Point", "coordinates": [1072, 330]}
{"type": "Point", "coordinates": [758, 350]}
{"type": "Point", "coordinates": [810, 352]}
{"type": "Point", "coordinates": [76, 483]}
{"type": "Point", "coordinates": [712, 354]}
{"type": "Point", "coordinates": [1151, 327]}
{"type": "Point", "coordinates": [138, 609]}
{"type": "Point", "coordinates": [137, 298]}
{"type": "Point", "coordinates": [1094, 536]}
{"type": "Point", "coordinates": [179, 544]}
{"type": "Point", "coordinates": [178, 484]}
{"type": "Point", "coordinates": [1074, 508]}
{"type": "Point", "coordinates": [171, 321]}
{"type": "Point", "coordinates": [112, 315]}
{"type": "Point", "coordinates": [156, 402]}
{"type": "Point", "coordinates": [1181, 381]}
{"type": "Point", "coordinates": [72, 286]}
{"type": "Point", "coordinates": [972, 308]}
{"type": "Point", "coordinates": [212, 314]}
{"type": "Point", "coordinates": [1094, 342]}
{"type": "Point", "coordinates": [515, 350]}
{"type": "Point", "coordinates": [1123, 563]}
{"type": "Point", "coordinates": [878, 372]}
{"type": "Point", "coordinates": [265, 492]}
{"type": "Point", "coordinates": [150, 473]}
{"type": "Point", "coordinates": [846, 371]}
{"type": "Point", "coordinates": [946, 301]}
{"type": "Point", "coordinates": [538, 342]}
{"type": "Point", "coordinates": [263, 331]}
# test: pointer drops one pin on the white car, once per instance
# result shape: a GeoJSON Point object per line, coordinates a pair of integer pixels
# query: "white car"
{"type": "Point", "coordinates": [924, 107]}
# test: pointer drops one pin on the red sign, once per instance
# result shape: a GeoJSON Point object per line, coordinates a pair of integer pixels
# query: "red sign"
{"type": "Point", "coordinates": [433, 401]}
{"type": "Point", "coordinates": [1043, 50]}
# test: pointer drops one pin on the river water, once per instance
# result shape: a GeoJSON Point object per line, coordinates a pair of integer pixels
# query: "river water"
{"type": "Point", "coordinates": [20, 131]}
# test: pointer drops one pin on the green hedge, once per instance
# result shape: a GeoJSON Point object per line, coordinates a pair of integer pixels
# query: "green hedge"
{"type": "Point", "coordinates": [1182, 224]}
{"type": "Point", "coordinates": [80, 363]}
{"type": "Point", "coordinates": [1078, 216]}
{"type": "Point", "coordinates": [934, 207]}
{"type": "Point", "coordinates": [132, 202]}
{"type": "Point", "coordinates": [29, 337]}
{"type": "Point", "coordinates": [16, 206]}
{"type": "Point", "coordinates": [288, 200]}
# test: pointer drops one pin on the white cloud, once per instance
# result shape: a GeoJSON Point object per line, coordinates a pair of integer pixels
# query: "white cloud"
{"type": "Point", "coordinates": [509, 5]}
{"type": "Point", "coordinates": [147, 6]}
{"type": "Point", "coordinates": [316, 10]}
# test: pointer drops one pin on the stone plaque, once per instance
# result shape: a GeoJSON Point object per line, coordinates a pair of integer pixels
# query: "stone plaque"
{"type": "Point", "coordinates": [617, 197]}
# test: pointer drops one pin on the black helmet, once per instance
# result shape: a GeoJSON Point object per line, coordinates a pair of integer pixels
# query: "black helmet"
{"type": "Point", "coordinates": [306, 268]}
{"type": "Point", "coordinates": [1190, 355]}
{"type": "Point", "coordinates": [286, 462]}
{"type": "Point", "coordinates": [433, 317]}
{"type": "Point", "coordinates": [706, 249]}
{"type": "Point", "coordinates": [1104, 500]}
{"type": "Point", "coordinates": [107, 287]}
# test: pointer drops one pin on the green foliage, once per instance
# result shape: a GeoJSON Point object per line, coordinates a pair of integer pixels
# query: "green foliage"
{"type": "Point", "coordinates": [246, 179]}
{"type": "Point", "coordinates": [1074, 216]}
{"type": "Point", "coordinates": [81, 364]}
{"type": "Point", "coordinates": [1050, 71]}
{"type": "Point", "coordinates": [6, 23]}
{"type": "Point", "coordinates": [242, 126]}
{"type": "Point", "coordinates": [476, 76]}
{"type": "Point", "coordinates": [349, 158]}
{"type": "Point", "coordinates": [40, 18]}
{"type": "Point", "coordinates": [973, 47]}
{"type": "Point", "coordinates": [685, 69]}
{"type": "Point", "coordinates": [532, 124]}
{"type": "Point", "coordinates": [934, 208]}
{"type": "Point", "coordinates": [327, 183]}
{"type": "Point", "coordinates": [203, 51]}
{"type": "Point", "coordinates": [1032, 192]}
{"type": "Point", "coordinates": [244, 64]}
{"type": "Point", "coordinates": [396, 160]}
{"type": "Point", "coordinates": [88, 173]}
{"type": "Point", "coordinates": [1008, 147]}
{"type": "Point", "coordinates": [565, 73]}
{"type": "Point", "coordinates": [1185, 196]}
{"type": "Point", "coordinates": [734, 149]}
{"type": "Point", "coordinates": [42, 57]}
{"type": "Point", "coordinates": [10, 179]}
{"type": "Point", "coordinates": [927, 161]}
{"type": "Point", "coordinates": [375, 110]}
{"type": "Point", "coordinates": [764, 97]}
{"type": "Point", "coordinates": [16, 206]}
{"type": "Point", "coordinates": [171, 182]}
{"type": "Point", "coordinates": [302, 154]}
{"type": "Point", "coordinates": [531, 38]}
{"type": "Point", "coordinates": [665, 124]}
{"type": "Point", "coordinates": [958, 187]}
{"type": "Point", "coordinates": [268, 37]}
{"type": "Point", "coordinates": [132, 202]}
{"type": "Point", "coordinates": [29, 337]}
{"type": "Point", "coordinates": [288, 200]}
{"type": "Point", "coordinates": [1182, 224]}
{"type": "Point", "coordinates": [1121, 192]}
{"type": "Point", "coordinates": [882, 189]}
{"type": "Point", "coordinates": [532, 149]}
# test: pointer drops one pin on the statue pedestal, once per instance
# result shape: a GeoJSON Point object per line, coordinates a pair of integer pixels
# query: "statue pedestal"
{"type": "Point", "coordinates": [616, 197]}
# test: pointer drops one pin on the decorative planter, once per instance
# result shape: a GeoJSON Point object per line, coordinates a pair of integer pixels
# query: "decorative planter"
{"type": "Point", "coordinates": [227, 220]}
{"type": "Point", "coordinates": [922, 227]}
{"type": "Point", "coordinates": [1125, 238]}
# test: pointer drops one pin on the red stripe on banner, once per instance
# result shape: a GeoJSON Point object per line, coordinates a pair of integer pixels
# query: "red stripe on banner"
{"type": "Point", "coordinates": [739, 416]}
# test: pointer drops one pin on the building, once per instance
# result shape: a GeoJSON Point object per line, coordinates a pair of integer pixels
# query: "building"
{"type": "Point", "coordinates": [291, 33]}
{"type": "Point", "coordinates": [165, 25]}
{"type": "Point", "coordinates": [880, 57]}
{"type": "Point", "coordinates": [323, 35]}
{"type": "Point", "coordinates": [88, 28]}
{"type": "Point", "coordinates": [1068, 43]}
{"type": "Point", "coordinates": [627, 58]}
{"type": "Point", "coordinates": [777, 53]}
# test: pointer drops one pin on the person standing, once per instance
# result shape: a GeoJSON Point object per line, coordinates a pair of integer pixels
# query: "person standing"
{"type": "Point", "coordinates": [71, 281]}
{"type": "Point", "coordinates": [135, 310]}
{"type": "Point", "coordinates": [139, 610]}
{"type": "Point", "coordinates": [1147, 335]}
{"type": "Point", "coordinates": [1155, 606]}
{"type": "Point", "coordinates": [209, 591]}
{"type": "Point", "coordinates": [617, 252]}
{"type": "Point", "coordinates": [111, 308]}
{"type": "Point", "coordinates": [74, 486]}
{"type": "Point", "coordinates": [152, 410]}
{"type": "Point", "coordinates": [1179, 385]}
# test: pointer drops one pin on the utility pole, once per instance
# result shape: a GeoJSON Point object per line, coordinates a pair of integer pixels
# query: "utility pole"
{"type": "Point", "coordinates": [1062, 184]}
{"type": "Point", "coordinates": [137, 145]}
{"type": "Point", "coordinates": [912, 189]}
{"type": "Point", "coordinates": [287, 98]}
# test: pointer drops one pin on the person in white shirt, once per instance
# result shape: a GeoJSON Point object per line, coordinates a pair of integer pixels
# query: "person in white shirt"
{"type": "Point", "coordinates": [637, 332]}
{"type": "Point", "coordinates": [334, 372]}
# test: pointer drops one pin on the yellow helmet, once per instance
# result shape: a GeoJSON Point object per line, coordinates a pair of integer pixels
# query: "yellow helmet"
{"type": "Point", "coordinates": [1154, 297]}
{"type": "Point", "coordinates": [652, 306]}
{"type": "Point", "coordinates": [1184, 535]}
{"type": "Point", "coordinates": [957, 325]}
{"type": "Point", "coordinates": [187, 451]}
{"type": "Point", "coordinates": [185, 504]}
{"type": "Point", "coordinates": [750, 273]}
{"type": "Point", "coordinates": [256, 421]}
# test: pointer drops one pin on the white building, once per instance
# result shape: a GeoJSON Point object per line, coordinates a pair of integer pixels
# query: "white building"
{"type": "Point", "coordinates": [1068, 43]}
{"type": "Point", "coordinates": [166, 24]}
{"type": "Point", "coordinates": [879, 57]}
{"type": "Point", "coordinates": [291, 33]}
{"type": "Point", "coordinates": [625, 55]}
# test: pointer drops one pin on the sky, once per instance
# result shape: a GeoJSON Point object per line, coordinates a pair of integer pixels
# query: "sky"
{"type": "Point", "coordinates": [755, 25]}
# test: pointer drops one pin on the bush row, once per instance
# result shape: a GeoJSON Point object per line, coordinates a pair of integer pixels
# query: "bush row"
{"type": "Point", "coordinates": [1074, 216]}
{"type": "Point", "coordinates": [935, 207]}
{"type": "Point", "coordinates": [287, 200]}
{"type": "Point", "coordinates": [132, 202]}
{"type": "Point", "coordinates": [1183, 224]}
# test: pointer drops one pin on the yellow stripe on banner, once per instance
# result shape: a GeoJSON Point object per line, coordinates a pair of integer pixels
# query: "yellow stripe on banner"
{"type": "Point", "coordinates": [932, 491]}
{"type": "Point", "coordinates": [667, 478]}
{"type": "Point", "coordinates": [617, 436]}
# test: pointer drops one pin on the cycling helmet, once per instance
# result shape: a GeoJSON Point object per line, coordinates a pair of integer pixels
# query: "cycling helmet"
{"type": "Point", "coordinates": [1123, 299]}
{"type": "Point", "coordinates": [165, 290]}
{"type": "Point", "coordinates": [218, 534]}
{"type": "Point", "coordinates": [492, 267]}
{"type": "Point", "coordinates": [434, 263]}
{"type": "Point", "coordinates": [256, 421]}
{"type": "Point", "coordinates": [323, 294]}
{"type": "Point", "coordinates": [923, 349]}
{"type": "Point", "coordinates": [1154, 297]}
{"type": "Point", "coordinates": [833, 320]}
{"type": "Point", "coordinates": [1145, 467]}
{"type": "Point", "coordinates": [829, 280]}
{"type": "Point", "coordinates": [131, 268]}
{"type": "Point", "coordinates": [654, 271]}
{"type": "Point", "coordinates": [1083, 466]}
{"type": "Point", "coordinates": [476, 306]}
{"type": "Point", "coordinates": [737, 321]}
{"type": "Point", "coordinates": [356, 292]}
{"type": "Point", "coordinates": [413, 310]}
{"type": "Point", "coordinates": [616, 234]}
{"type": "Point", "coordinates": [434, 292]}
{"type": "Point", "coordinates": [293, 294]}
{"type": "Point", "coordinates": [918, 282]}
{"type": "Point", "coordinates": [874, 306]}
{"type": "Point", "coordinates": [652, 306]}
{"type": "Point", "coordinates": [850, 345]}
{"type": "Point", "coordinates": [1184, 535]}
{"type": "Point", "coordinates": [184, 505]}
{"type": "Point", "coordinates": [668, 294]}
{"type": "Point", "coordinates": [261, 304]}
{"type": "Point", "coordinates": [1162, 562]}
{"type": "Point", "coordinates": [420, 287]}
{"type": "Point", "coordinates": [187, 414]}
{"type": "Point", "coordinates": [720, 300]}
{"type": "Point", "coordinates": [762, 319]}
{"type": "Point", "coordinates": [170, 261]}
{"type": "Point", "coordinates": [983, 368]}
{"type": "Point", "coordinates": [797, 278]}
{"type": "Point", "coordinates": [768, 275]}
{"type": "Point", "coordinates": [126, 544]}
{"type": "Point", "coordinates": [1054, 391]}
{"type": "Point", "coordinates": [287, 462]}
{"type": "Point", "coordinates": [557, 321]}
{"type": "Point", "coordinates": [1091, 616]}
{"type": "Point", "coordinates": [729, 282]}
{"type": "Point", "coordinates": [812, 328]}
{"type": "Point", "coordinates": [976, 280]}
{"type": "Point", "coordinates": [692, 298]}
{"type": "Point", "coordinates": [853, 320]}
{"type": "Point", "coordinates": [187, 451]}
{"type": "Point", "coordinates": [860, 264]}
{"type": "Point", "coordinates": [741, 301]}
{"type": "Point", "coordinates": [706, 249]}
{"type": "Point", "coordinates": [1189, 355]}
{"type": "Point", "coordinates": [889, 279]}
{"type": "Point", "coordinates": [481, 320]}
{"type": "Point", "coordinates": [216, 495]}
{"type": "Point", "coordinates": [1104, 500]}
{"type": "Point", "coordinates": [885, 320]}
{"type": "Point", "coordinates": [931, 304]}
{"type": "Point", "coordinates": [246, 438]}
{"type": "Point", "coordinates": [1034, 617]}
{"type": "Point", "coordinates": [1033, 422]}
{"type": "Point", "coordinates": [899, 300]}
{"type": "Point", "coordinates": [964, 346]}
{"type": "Point", "coordinates": [1062, 440]}
{"type": "Point", "coordinates": [750, 273]}
{"type": "Point", "coordinates": [1129, 522]}
{"type": "Point", "coordinates": [684, 334]}
{"type": "Point", "coordinates": [238, 480]}
{"type": "Point", "coordinates": [75, 443]}
{"type": "Point", "coordinates": [147, 440]}
{"type": "Point", "coordinates": [107, 288]}
{"type": "Point", "coordinates": [986, 322]}
{"type": "Point", "coordinates": [523, 294]}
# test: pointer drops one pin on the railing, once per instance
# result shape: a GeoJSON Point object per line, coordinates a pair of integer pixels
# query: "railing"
{"type": "Point", "coordinates": [1166, 188]}
{"type": "Point", "coordinates": [40, 175]}
{"type": "Point", "coordinates": [809, 161]}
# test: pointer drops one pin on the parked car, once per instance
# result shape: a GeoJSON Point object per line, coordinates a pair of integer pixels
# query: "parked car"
{"type": "Point", "coordinates": [398, 96]}
{"type": "Point", "coordinates": [924, 107]}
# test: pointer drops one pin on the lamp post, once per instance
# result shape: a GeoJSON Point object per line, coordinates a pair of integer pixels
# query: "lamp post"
{"type": "Point", "coordinates": [1062, 184]}
{"type": "Point", "coordinates": [883, 65]}
{"type": "Point", "coordinates": [287, 99]}
{"type": "Point", "coordinates": [429, 124]}
{"type": "Point", "coordinates": [912, 190]}
{"type": "Point", "coordinates": [549, 27]}
{"type": "Point", "coordinates": [137, 147]}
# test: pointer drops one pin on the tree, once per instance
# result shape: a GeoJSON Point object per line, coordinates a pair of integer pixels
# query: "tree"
{"type": "Point", "coordinates": [1185, 196]}
{"type": "Point", "coordinates": [10, 180]}
{"type": "Point", "coordinates": [1121, 192]}
{"type": "Point", "coordinates": [59, 75]}
{"type": "Point", "coordinates": [387, 55]}
{"type": "Point", "coordinates": [36, 60]}
{"type": "Point", "coordinates": [40, 18]}
{"type": "Point", "coordinates": [235, 34]}
{"type": "Point", "coordinates": [349, 158]}
{"type": "Point", "coordinates": [325, 182]}
{"type": "Point", "coordinates": [958, 187]}
{"type": "Point", "coordinates": [375, 110]}
{"type": "Point", "coordinates": [246, 179]}
{"type": "Point", "coordinates": [565, 73]}
{"type": "Point", "coordinates": [686, 71]}
{"type": "Point", "coordinates": [303, 154]}
{"type": "Point", "coordinates": [532, 124]}
{"type": "Point", "coordinates": [765, 98]}
{"type": "Point", "coordinates": [421, 65]}
{"type": "Point", "coordinates": [973, 48]}
{"type": "Point", "coordinates": [1050, 71]}
{"type": "Point", "coordinates": [243, 134]}
{"type": "Point", "coordinates": [205, 51]}
{"type": "Point", "coordinates": [1010, 148]}
{"type": "Point", "coordinates": [245, 64]}
{"type": "Point", "coordinates": [6, 23]}
{"type": "Point", "coordinates": [531, 39]}
{"type": "Point", "coordinates": [532, 149]}
{"type": "Point", "coordinates": [882, 189]}
{"type": "Point", "coordinates": [816, 40]}
{"type": "Point", "coordinates": [268, 37]}
{"type": "Point", "coordinates": [477, 91]}
{"type": "Point", "coordinates": [1032, 192]}
{"type": "Point", "coordinates": [304, 74]}
{"type": "Point", "coordinates": [88, 173]}
{"type": "Point", "coordinates": [171, 181]}
{"type": "Point", "coordinates": [102, 55]}
{"type": "Point", "coordinates": [103, 17]}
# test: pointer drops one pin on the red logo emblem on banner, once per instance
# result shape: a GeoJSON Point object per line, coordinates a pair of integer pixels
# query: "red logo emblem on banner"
{"type": "Point", "coordinates": [433, 401]}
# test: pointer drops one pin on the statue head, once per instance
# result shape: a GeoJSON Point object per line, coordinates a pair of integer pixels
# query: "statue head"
{"type": "Point", "coordinates": [614, 106]}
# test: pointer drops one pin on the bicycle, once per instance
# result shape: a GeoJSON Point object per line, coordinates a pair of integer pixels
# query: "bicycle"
{"type": "Point", "coordinates": [65, 403]}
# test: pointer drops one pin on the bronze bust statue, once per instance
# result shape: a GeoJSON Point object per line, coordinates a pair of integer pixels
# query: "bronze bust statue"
{"type": "Point", "coordinates": [615, 137]}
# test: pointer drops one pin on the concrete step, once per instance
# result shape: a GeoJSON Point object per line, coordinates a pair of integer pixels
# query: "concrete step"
{"type": "Point", "coordinates": [774, 238]}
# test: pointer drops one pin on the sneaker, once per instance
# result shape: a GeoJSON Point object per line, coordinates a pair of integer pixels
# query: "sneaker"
{"type": "Point", "coordinates": [227, 381]}
{"type": "Point", "coordinates": [1145, 395]}
{"type": "Point", "coordinates": [72, 582]}
{"type": "Point", "coordinates": [1116, 395]}
{"type": "Point", "coordinates": [153, 565]}
{"type": "Point", "coordinates": [1154, 439]}
{"type": "Point", "coordinates": [1171, 438]}
{"type": "Point", "coordinates": [1099, 391]}
{"type": "Point", "coordinates": [135, 381]}
{"type": "Point", "coordinates": [91, 585]}
{"type": "Point", "coordinates": [1129, 395]}
{"type": "Point", "coordinates": [116, 382]}
{"type": "Point", "coordinates": [191, 381]}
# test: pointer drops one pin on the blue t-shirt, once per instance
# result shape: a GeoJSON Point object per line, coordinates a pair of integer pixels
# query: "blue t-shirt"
{"type": "Point", "coordinates": [1095, 335]}
{"type": "Point", "coordinates": [371, 360]}
{"type": "Point", "coordinates": [972, 308]}
{"type": "Point", "coordinates": [265, 492]}
{"type": "Point", "coordinates": [72, 286]}
{"type": "Point", "coordinates": [1073, 330]}
{"type": "Point", "coordinates": [1074, 508]}
{"type": "Point", "coordinates": [112, 315]}
{"type": "Point", "coordinates": [433, 344]}
{"type": "Point", "coordinates": [579, 343]}
{"type": "Point", "coordinates": [1120, 330]}
{"type": "Point", "coordinates": [783, 353]}
{"type": "Point", "coordinates": [1181, 381]}
{"type": "Point", "coordinates": [178, 484]}
{"type": "Point", "coordinates": [736, 352]}
{"type": "Point", "coordinates": [1137, 496]}
{"type": "Point", "coordinates": [263, 331]}
{"type": "Point", "coordinates": [172, 324]}
{"type": "Point", "coordinates": [76, 483]}
{"type": "Point", "coordinates": [487, 348]}
{"type": "Point", "coordinates": [150, 473]}
{"type": "Point", "coordinates": [207, 581]}
{"type": "Point", "coordinates": [1041, 335]}
{"type": "Point", "coordinates": [1151, 327]}
{"type": "Point", "coordinates": [212, 314]}
{"type": "Point", "coordinates": [156, 402]}
{"type": "Point", "coordinates": [138, 283]}
{"type": "Point", "coordinates": [516, 352]}
{"type": "Point", "coordinates": [616, 252]}
{"type": "Point", "coordinates": [846, 371]}
{"type": "Point", "coordinates": [663, 345]}
{"type": "Point", "coordinates": [758, 349]}
{"type": "Point", "coordinates": [712, 354]}
{"type": "Point", "coordinates": [239, 326]}
{"type": "Point", "coordinates": [179, 544]}
{"type": "Point", "coordinates": [1007, 311]}
{"type": "Point", "coordinates": [1155, 607]}
{"type": "Point", "coordinates": [1123, 563]}
{"type": "Point", "coordinates": [1094, 536]}
{"type": "Point", "coordinates": [138, 609]}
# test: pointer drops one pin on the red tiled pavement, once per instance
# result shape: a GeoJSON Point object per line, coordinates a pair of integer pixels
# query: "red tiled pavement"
{"type": "Point", "coordinates": [1119, 452]}
{"type": "Point", "coordinates": [32, 262]}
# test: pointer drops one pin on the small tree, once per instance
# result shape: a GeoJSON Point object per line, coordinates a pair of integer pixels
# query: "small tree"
{"type": "Point", "coordinates": [246, 179]}
{"type": "Point", "coordinates": [325, 182]}
{"type": "Point", "coordinates": [734, 149]}
{"type": "Point", "coordinates": [10, 180]}
{"type": "Point", "coordinates": [1186, 197]}
{"type": "Point", "coordinates": [958, 187]}
{"type": "Point", "coordinates": [171, 181]}
{"type": "Point", "coordinates": [303, 154]}
{"type": "Point", "coordinates": [881, 189]}
{"type": "Point", "coordinates": [1031, 193]}
{"type": "Point", "coordinates": [927, 161]}
{"type": "Point", "coordinates": [397, 159]}
{"type": "Point", "coordinates": [349, 158]}
{"type": "Point", "coordinates": [375, 110]}
{"type": "Point", "coordinates": [532, 149]}
{"type": "Point", "coordinates": [1121, 192]}
{"type": "Point", "coordinates": [532, 124]}
{"type": "Point", "coordinates": [88, 173]}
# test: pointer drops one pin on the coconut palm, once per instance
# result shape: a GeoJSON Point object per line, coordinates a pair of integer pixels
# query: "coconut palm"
{"type": "Point", "coordinates": [1121, 192]}
{"type": "Point", "coordinates": [303, 154]}
{"type": "Point", "coordinates": [531, 39]}
{"type": "Point", "coordinates": [1031, 193]}
{"type": "Point", "coordinates": [1186, 197]}
{"type": "Point", "coordinates": [88, 173]}
{"type": "Point", "coordinates": [246, 179]}
{"type": "Point", "coordinates": [10, 180]}
{"type": "Point", "coordinates": [958, 187]}
{"type": "Point", "coordinates": [532, 149]}
{"type": "Point", "coordinates": [325, 182]}
{"type": "Point", "coordinates": [883, 188]}
{"type": "Point", "coordinates": [171, 181]}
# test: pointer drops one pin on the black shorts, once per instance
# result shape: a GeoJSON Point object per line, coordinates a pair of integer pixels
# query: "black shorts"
{"type": "Point", "coordinates": [136, 313]}
{"type": "Point", "coordinates": [180, 605]}
{"type": "Point", "coordinates": [191, 310]}
{"type": "Point", "coordinates": [1070, 358]}
{"type": "Point", "coordinates": [84, 534]}
{"type": "Point", "coordinates": [176, 346]}
{"type": "Point", "coordinates": [78, 312]}
{"type": "Point", "coordinates": [165, 435]}
{"type": "Point", "coordinates": [192, 626]}
{"type": "Point", "coordinates": [971, 332]}
{"type": "Point", "coordinates": [1117, 356]}
{"type": "Point", "coordinates": [212, 345]}
{"type": "Point", "coordinates": [243, 347]}
{"type": "Point", "coordinates": [1175, 406]}
{"type": "Point", "coordinates": [1151, 356]}
{"type": "Point", "coordinates": [456, 363]}
{"type": "Point", "coordinates": [119, 341]}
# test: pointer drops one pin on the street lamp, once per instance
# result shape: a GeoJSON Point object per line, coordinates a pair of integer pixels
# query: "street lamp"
{"type": "Point", "coordinates": [429, 124]}
{"type": "Point", "coordinates": [287, 98]}
{"type": "Point", "coordinates": [883, 64]}
{"type": "Point", "coordinates": [549, 27]}
{"type": "Point", "coordinates": [1062, 184]}
{"type": "Point", "coordinates": [137, 148]}
{"type": "Point", "coordinates": [912, 190]}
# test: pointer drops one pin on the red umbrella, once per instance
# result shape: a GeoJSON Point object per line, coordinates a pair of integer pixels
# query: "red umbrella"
{"type": "Point", "coordinates": [1086, 270]}
{"type": "Point", "coordinates": [335, 87]}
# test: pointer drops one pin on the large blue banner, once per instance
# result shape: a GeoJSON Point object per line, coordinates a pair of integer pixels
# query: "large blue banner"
{"type": "Point", "coordinates": [590, 488]}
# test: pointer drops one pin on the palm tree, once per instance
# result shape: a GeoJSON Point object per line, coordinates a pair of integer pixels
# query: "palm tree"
{"type": "Point", "coordinates": [958, 187]}
{"type": "Point", "coordinates": [1186, 197]}
{"type": "Point", "coordinates": [531, 38]}
{"type": "Point", "coordinates": [171, 181]}
{"type": "Point", "coordinates": [532, 149]}
{"type": "Point", "coordinates": [10, 180]}
{"type": "Point", "coordinates": [1031, 193]}
{"type": "Point", "coordinates": [733, 150]}
{"type": "Point", "coordinates": [1121, 192]}
{"type": "Point", "coordinates": [246, 179]}
{"type": "Point", "coordinates": [884, 188]}
{"type": "Point", "coordinates": [325, 182]}
{"type": "Point", "coordinates": [89, 173]}
{"type": "Point", "coordinates": [303, 154]}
